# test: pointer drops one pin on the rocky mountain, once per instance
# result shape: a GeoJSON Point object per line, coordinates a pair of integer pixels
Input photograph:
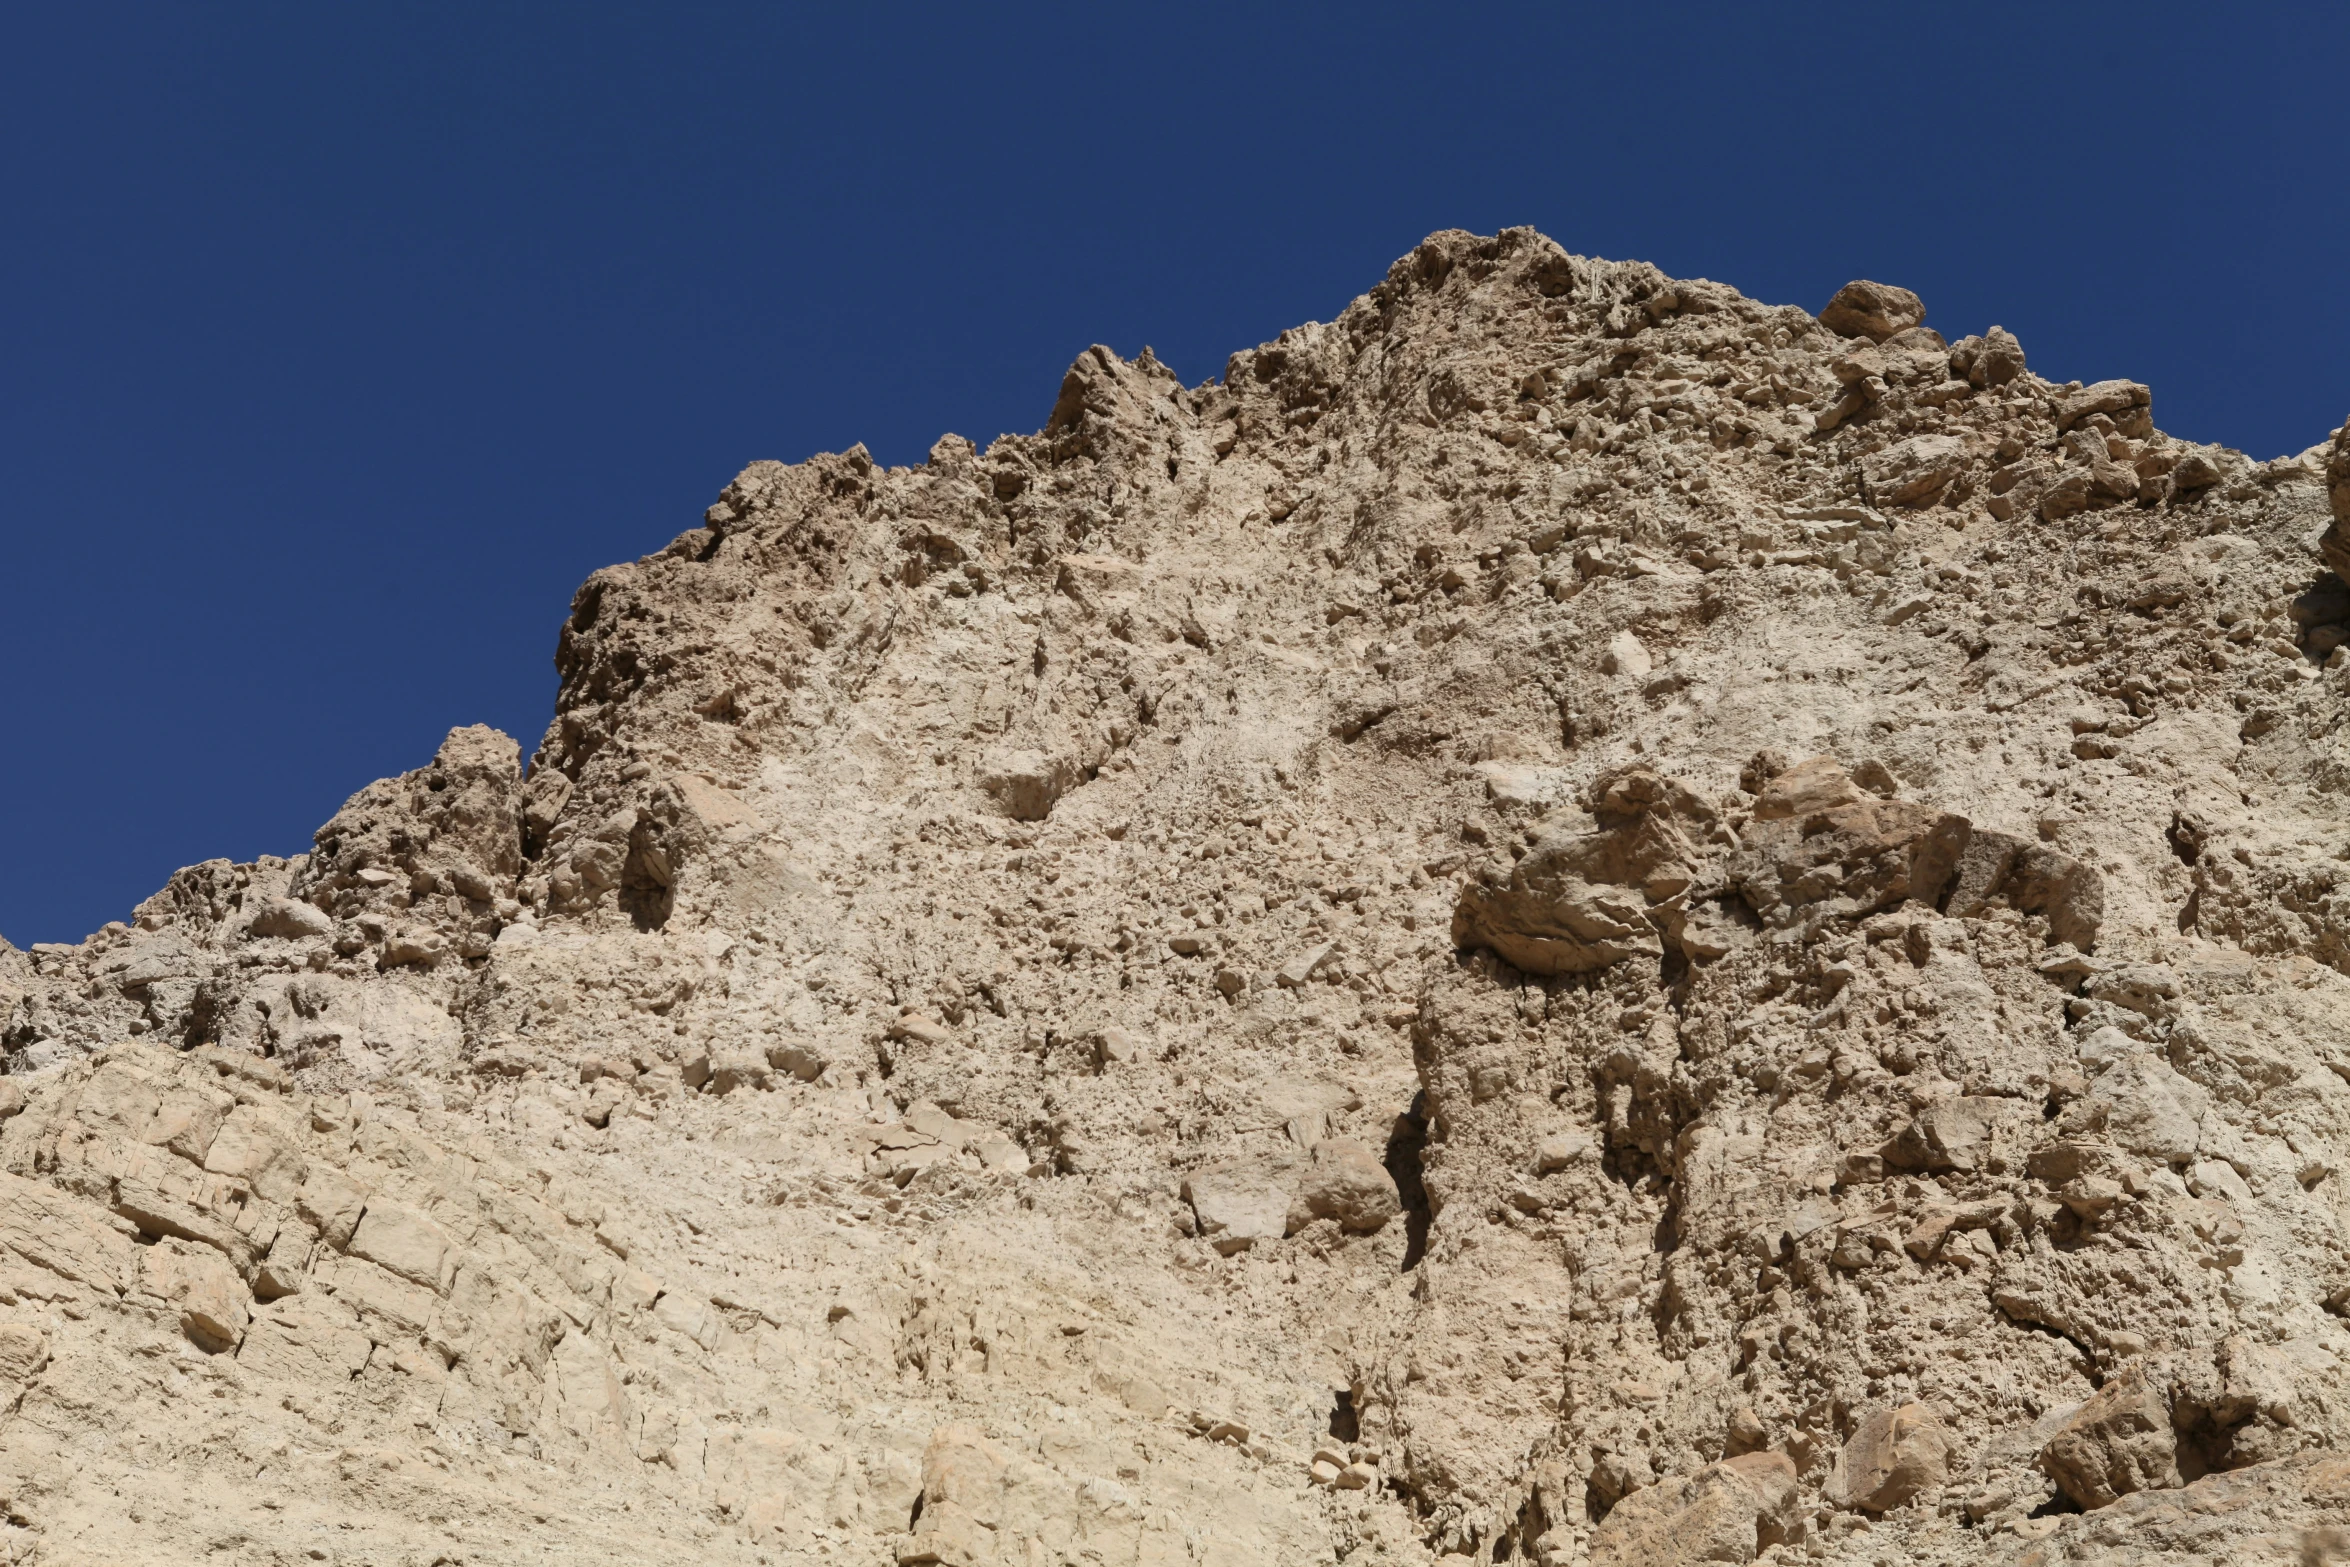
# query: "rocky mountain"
{"type": "Point", "coordinates": [1570, 919]}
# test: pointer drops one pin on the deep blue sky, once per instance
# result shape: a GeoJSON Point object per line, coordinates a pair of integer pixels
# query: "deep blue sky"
{"type": "Point", "coordinates": [342, 341]}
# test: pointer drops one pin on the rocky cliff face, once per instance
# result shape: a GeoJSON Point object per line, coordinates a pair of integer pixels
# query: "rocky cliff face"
{"type": "Point", "coordinates": [1571, 918]}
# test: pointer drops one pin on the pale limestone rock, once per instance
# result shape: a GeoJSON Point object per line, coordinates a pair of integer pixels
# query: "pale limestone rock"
{"type": "Point", "coordinates": [50, 1230]}
{"type": "Point", "coordinates": [1914, 472]}
{"type": "Point", "coordinates": [2150, 1109]}
{"type": "Point", "coordinates": [2117, 1442]}
{"type": "Point", "coordinates": [290, 919]}
{"type": "Point", "coordinates": [1345, 1182]}
{"type": "Point", "coordinates": [1626, 655]}
{"type": "Point", "coordinates": [260, 1146]}
{"type": "Point", "coordinates": [1238, 1205]}
{"type": "Point", "coordinates": [1027, 782]}
{"type": "Point", "coordinates": [212, 1302]}
{"type": "Point", "coordinates": [1872, 310]}
{"type": "Point", "coordinates": [24, 1350]}
{"type": "Point", "coordinates": [402, 1240]}
{"type": "Point", "coordinates": [1726, 1512]}
{"type": "Point", "coordinates": [968, 970]}
{"type": "Point", "coordinates": [1893, 1456]}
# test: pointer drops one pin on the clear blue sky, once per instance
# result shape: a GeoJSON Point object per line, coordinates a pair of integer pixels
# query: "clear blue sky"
{"type": "Point", "coordinates": [342, 341]}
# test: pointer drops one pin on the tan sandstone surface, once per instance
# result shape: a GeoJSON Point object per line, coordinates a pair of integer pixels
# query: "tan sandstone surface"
{"type": "Point", "coordinates": [1569, 919]}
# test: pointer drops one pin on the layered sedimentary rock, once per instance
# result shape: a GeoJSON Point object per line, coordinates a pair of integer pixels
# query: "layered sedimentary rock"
{"type": "Point", "coordinates": [1571, 918]}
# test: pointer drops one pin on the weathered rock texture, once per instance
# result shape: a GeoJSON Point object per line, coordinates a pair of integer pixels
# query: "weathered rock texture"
{"type": "Point", "coordinates": [1570, 919]}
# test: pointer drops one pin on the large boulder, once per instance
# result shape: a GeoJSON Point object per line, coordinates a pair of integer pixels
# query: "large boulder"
{"type": "Point", "coordinates": [2119, 1442]}
{"type": "Point", "coordinates": [1872, 310]}
{"type": "Point", "coordinates": [1822, 846]}
{"type": "Point", "coordinates": [1346, 1183]}
{"type": "Point", "coordinates": [1726, 1512]}
{"type": "Point", "coordinates": [1997, 867]}
{"type": "Point", "coordinates": [1582, 901]}
{"type": "Point", "coordinates": [1894, 1456]}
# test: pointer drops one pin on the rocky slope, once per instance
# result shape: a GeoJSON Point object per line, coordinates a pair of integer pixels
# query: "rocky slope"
{"type": "Point", "coordinates": [1571, 918]}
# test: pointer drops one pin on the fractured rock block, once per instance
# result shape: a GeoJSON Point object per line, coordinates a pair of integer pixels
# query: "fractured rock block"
{"type": "Point", "coordinates": [1893, 1456]}
{"type": "Point", "coordinates": [1583, 901]}
{"type": "Point", "coordinates": [798, 1058]}
{"type": "Point", "coordinates": [214, 1305]}
{"type": "Point", "coordinates": [187, 1120]}
{"type": "Point", "coordinates": [331, 1203]}
{"type": "Point", "coordinates": [1997, 867]}
{"type": "Point", "coordinates": [2118, 1442]}
{"type": "Point", "coordinates": [70, 1238]}
{"type": "Point", "coordinates": [1872, 310]}
{"type": "Point", "coordinates": [1237, 1206]}
{"type": "Point", "coordinates": [2149, 1109]}
{"type": "Point", "coordinates": [261, 1147]}
{"type": "Point", "coordinates": [1822, 846]}
{"type": "Point", "coordinates": [1347, 1183]}
{"type": "Point", "coordinates": [1726, 1512]}
{"type": "Point", "coordinates": [290, 919]}
{"type": "Point", "coordinates": [732, 1069]}
{"type": "Point", "coordinates": [24, 1350]}
{"type": "Point", "coordinates": [402, 1240]}
{"type": "Point", "coordinates": [2105, 397]}
{"type": "Point", "coordinates": [1550, 923]}
{"type": "Point", "coordinates": [1958, 1133]}
{"type": "Point", "coordinates": [1914, 472]}
{"type": "Point", "coordinates": [305, 1339]}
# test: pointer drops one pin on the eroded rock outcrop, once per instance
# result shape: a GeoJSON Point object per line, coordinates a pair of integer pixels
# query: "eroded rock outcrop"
{"type": "Point", "coordinates": [1569, 918]}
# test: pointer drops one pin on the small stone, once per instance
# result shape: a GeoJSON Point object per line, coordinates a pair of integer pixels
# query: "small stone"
{"type": "Point", "coordinates": [797, 1058]}
{"type": "Point", "coordinates": [921, 1028]}
{"type": "Point", "coordinates": [1626, 655]}
{"type": "Point", "coordinates": [1559, 1150]}
{"type": "Point", "coordinates": [1293, 974]}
